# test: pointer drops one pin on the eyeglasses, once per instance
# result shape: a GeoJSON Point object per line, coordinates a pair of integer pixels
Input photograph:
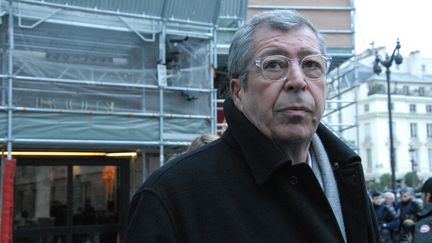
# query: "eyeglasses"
{"type": "Point", "coordinates": [276, 67]}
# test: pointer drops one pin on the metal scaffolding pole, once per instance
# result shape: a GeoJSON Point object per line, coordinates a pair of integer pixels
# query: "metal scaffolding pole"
{"type": "Point", "coordinates": [10, 79]}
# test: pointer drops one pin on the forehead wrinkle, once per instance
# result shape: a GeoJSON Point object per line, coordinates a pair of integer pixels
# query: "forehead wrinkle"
{"type": "Point", "coordinates": [276, 44]}
{"type": "Point", "coordinates": [277, 51]}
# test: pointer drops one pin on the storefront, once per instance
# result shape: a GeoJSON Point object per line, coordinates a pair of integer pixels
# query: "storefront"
{"type": "Point", "coordinates": [70, 199]}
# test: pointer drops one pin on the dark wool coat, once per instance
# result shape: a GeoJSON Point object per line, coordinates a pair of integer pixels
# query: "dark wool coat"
{"type": "Point", "coordinates": [423, 228]}
{"type": "Point", "coordinates": [243, 188]}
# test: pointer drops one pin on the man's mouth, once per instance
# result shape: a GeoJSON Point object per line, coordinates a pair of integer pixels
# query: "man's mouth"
{"type": "Point", "coordinates": [294, 109]}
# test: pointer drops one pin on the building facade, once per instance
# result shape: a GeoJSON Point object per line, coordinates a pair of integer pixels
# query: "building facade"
{"type": "Point", "coordinates": [358, 112]}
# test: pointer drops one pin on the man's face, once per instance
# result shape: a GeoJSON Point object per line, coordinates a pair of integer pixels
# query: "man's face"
{"type": "Point", "coordinates": [286, 111]}
{"type": "Point", "coordinates": [377, 200]}
{"type": "Point", "coordinates": [427, 198]}
{"type": "Point", "coordinates": [388, 199]}
{"type": "Point", "coordinates": [406, 196]}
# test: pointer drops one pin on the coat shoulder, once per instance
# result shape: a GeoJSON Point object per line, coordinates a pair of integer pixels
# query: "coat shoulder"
{"type": "Point", "coordinates": [208, 164]}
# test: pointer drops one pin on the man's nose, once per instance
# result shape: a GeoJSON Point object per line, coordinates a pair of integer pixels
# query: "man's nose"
{"type": "Point", "coordinates": [295, 79]}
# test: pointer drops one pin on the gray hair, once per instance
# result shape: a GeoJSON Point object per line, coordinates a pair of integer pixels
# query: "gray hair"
{"type": "Point", "coordinates": [202, 140]}
{"type": "Point", "coordinates": [390, 195]}
{"type": "Point", "coordinates": [242, 44]}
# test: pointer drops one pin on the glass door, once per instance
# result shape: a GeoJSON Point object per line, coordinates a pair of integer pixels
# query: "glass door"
{"type": "Point", "coordinates": [70, 200]}
{"type": "Point", "coordinates": [95, 201]}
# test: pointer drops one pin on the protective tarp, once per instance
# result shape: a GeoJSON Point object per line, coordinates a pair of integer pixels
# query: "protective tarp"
{"type": "Point", "coordinates": [77, 83]}
{"type": "Point", "coordinates": [69, 126]}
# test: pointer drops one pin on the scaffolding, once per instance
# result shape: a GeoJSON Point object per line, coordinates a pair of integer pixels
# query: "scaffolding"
{"type": "Point", "coordinates": [342, 94]}
{"type": "Point", "coordinates": [99, 74]}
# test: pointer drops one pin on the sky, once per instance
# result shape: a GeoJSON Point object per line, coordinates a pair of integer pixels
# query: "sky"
{"type": "Point", "coordinates": [383, 21]}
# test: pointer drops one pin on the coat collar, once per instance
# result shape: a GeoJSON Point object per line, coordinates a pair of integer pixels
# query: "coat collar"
{"type": "Point", "coordinates": [338, 151]}
{"type": "Point", "coordinates": [426, 211]}
{"type": "Point", "coordinates": [262, 155]}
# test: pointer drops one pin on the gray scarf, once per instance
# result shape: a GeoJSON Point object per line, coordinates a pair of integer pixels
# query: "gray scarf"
{"type": "Point", "coordinates": [324, 173]}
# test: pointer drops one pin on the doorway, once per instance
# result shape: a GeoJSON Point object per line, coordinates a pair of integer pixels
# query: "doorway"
{"type": "Point", "coordinates": [76, 200]}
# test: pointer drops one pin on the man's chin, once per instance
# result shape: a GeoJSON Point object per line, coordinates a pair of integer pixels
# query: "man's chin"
{"type": "Point", "coordinates": [294, 134]}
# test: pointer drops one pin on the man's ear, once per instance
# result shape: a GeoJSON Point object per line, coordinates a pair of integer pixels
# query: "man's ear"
{"type": "Point", "coordinates": [236, 88]}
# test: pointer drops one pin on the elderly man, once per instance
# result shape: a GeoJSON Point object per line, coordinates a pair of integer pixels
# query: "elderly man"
{"type": "Point", "coordinates": [276, 174]}
{"type": "Point", "coordinates": [386, 217]}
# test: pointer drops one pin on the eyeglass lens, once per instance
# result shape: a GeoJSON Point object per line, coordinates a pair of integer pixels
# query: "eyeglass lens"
{"type": "Point", "coordinates": [277, 67]}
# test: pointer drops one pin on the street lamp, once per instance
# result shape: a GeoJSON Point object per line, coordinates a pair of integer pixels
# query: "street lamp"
{"type": "Point", "coordinates": [413, 154]}
{"type": "Point", "coordinates": [387, 63]}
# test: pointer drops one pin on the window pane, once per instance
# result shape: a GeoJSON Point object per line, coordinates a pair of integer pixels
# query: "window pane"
{"type": "Point", "coordinates": [430, 159]}
{"type": "Point", "coordinates": [368, 131]}
{"type": "Point", "coordinates": [40, 200]}
{"type": "Point", "coordinates": [95, 195]}
{"type": "Point", "coordinates": [429, 130]}
{"type": "Point", "coordinates": [366, 108]}
{"type": "Point", "coordinates": [413, 130]}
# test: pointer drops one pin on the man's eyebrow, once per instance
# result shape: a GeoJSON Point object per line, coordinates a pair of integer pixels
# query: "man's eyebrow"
{"type": "Point", "coordinates": [308, 53]}
{"type": "Point", "coordinates": [274, 52]}
{"type": "Point", "coordinates": [301, 54]}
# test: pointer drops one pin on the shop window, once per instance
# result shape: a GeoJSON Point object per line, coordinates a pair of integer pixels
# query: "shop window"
{"type": "Point", "coordinates": [53, 202]}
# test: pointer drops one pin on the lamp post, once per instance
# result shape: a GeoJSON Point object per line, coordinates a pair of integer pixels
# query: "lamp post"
{"type": "Point", "coordinates": [387, 63]}
{"type": "Point", "coordinates": [413, 154]}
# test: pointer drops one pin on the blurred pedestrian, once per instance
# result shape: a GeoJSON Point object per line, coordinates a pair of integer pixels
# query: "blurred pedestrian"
{"type": "Point", "coordinates": [196, 143]}
{"type": "Point", "coordinates": [386, 217]}
{"type": "Point", "coordinates": [390, 203]}
{"type": "Point", "coordinates": [423, 229]}
{"type": "Point", "coordinates": [407, 209]}
{"type": "Point", "coordinates": [202, 140]}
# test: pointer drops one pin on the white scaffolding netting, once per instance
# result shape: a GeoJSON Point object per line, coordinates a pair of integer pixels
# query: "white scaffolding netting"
{"type": "Point", "coordinates": [74, 82]}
